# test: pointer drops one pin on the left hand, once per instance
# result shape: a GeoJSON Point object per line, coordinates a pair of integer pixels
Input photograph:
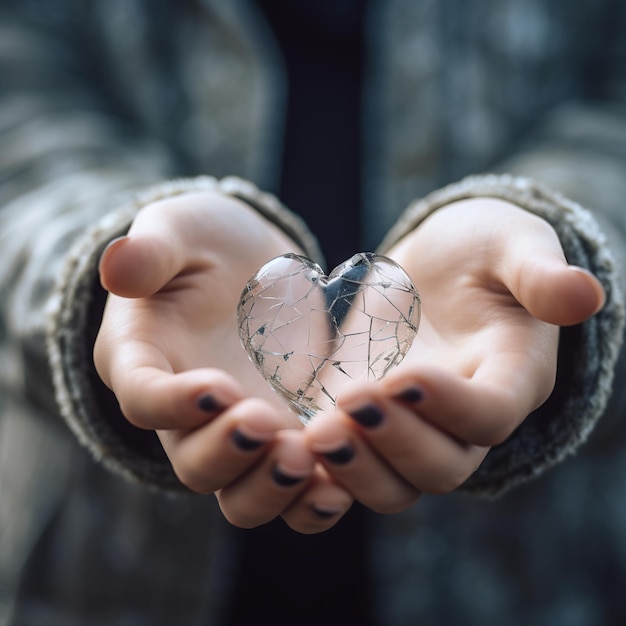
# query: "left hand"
{"type": "Point", "coordinates": [495, 287]}
{"type": "Point", "coordinates": [168, 347]}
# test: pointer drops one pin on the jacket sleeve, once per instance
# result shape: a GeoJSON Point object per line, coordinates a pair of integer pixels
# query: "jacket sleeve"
{"type": "Point", "coordinates": [573, 157]}
{"type": "Point", "coordinates": [75, 171]}
{"type": "Point", "coordinates": [65, 162]}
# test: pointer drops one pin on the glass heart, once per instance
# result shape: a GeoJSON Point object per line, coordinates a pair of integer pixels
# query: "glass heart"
{"type": "Point", "coordinates": [307, 333]}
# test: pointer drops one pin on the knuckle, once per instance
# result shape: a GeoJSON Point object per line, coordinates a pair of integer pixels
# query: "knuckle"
{"type": "Point", "coordinates": [446, 485]}
{"type": "Point", "coordinates": [194, 484]}
{"type": "Point", "coordinates": [397, 504]}
{"type": "Point", "coordinates": [136, 417]}
{"type": "Point", "coordinates": [444, 480]}
{"type": "Point", "coordinates": [308, 527]}
{"type": "Point", "coordinates": [193, 479]}
{"type": "Point", "coordinates": [495, 431]}
{"type": "Point", "coordinates": [241, 519]}
{"type": "Point", "coordinates": [489, 437]}
{"type": "Point", "coordinates": [100, 356]}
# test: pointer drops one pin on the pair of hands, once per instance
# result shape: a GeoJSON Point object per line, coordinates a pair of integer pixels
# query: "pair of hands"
{"type": "Point", "coordinates": [494, 286]}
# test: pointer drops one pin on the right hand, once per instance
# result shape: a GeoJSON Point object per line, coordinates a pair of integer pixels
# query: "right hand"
{"type": "Point", "coordinates": [169, 349]}
{"type": "Point", "coordinates": [495, 288]}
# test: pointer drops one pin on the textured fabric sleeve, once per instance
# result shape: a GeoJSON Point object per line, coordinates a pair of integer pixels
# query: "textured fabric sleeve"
{"type": "Point", "coordinates": [588, 352]}
{"type": "Point", "coordinates": [65, 161]}
{"type": "Point", "coordinates": [78, 159]}
{"type": "Point", "coordinates": [75, 312]}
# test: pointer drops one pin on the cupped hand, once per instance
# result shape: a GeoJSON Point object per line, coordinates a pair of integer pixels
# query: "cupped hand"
{"type": "Point", "coordinates": [495, 287]}
{"type": "Point", "coordinates": [169, 349]}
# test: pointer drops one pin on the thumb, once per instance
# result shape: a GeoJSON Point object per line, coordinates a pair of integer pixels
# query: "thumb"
{"type": "Point", "coordinates": [137, 266]}
{"type": "Point", "coordinates": [555, 292]}
{"type": "Point", "coordinates": [534, 269]}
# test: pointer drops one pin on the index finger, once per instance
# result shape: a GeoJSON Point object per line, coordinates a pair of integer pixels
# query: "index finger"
{"type": "Point", "coordinates": [483, 410]}
{"type": "Point", "coordinates": [154, 399]}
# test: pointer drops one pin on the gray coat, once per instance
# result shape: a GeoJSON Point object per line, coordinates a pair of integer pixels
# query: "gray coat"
{"type": "Point", "coordinates": [94, 527]}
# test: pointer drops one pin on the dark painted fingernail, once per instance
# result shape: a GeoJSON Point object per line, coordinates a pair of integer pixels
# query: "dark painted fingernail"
{"type": "Point", "coordinates": [246, 443]}
{"type": "Point", "coordinates": [324, 512]}
{"type": "Point", "coordinates": [285, 480]}
{"type": "Point", "coordinates": [208, 403]}
{"type": "Point", "coordinates": [412, 395]}
{"type": "Point", "coordinates": [368, 416]}
{"type": "Point", "coordinates": [341, 456]}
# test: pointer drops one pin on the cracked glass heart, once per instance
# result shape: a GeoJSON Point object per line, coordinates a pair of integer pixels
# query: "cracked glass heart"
{"type": "Point", "coordinates": [308, 333]}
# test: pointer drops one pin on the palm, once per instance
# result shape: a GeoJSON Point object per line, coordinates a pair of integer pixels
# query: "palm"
{"type": "Point", "coordinates": [173, 307]}
{"type": "Point", "coordinates": [467, 326]}
{"type": "Point", "coordinates": [466, 269]}
{"type": "Point", "coordinates": [192, 323]}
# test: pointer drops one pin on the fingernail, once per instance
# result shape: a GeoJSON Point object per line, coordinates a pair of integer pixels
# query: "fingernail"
{"type": "Point", "coordinates": [324, 512]}
{"type": "Point", "coordinates": [114, 243]}
{"type": "Point", "coordinates": [208, 403]}
{"type": "Point", "coordinates": [341, 456]}
{"type": "Point", "coordinates": [243, 442]}
{"type": "Point", "coordinates": [283, 479]}
{"type": "Point", "coordinates": [412, 395]}
{"type": "Point", "coordinates": [369, 416]}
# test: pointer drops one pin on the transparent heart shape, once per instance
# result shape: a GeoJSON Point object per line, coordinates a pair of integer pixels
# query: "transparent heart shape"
{"type": "Point", "coordinates": [308, 333]}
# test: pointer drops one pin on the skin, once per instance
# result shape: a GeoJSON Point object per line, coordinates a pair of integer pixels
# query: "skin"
{"type": "Point", "coordinates": [494, 290]}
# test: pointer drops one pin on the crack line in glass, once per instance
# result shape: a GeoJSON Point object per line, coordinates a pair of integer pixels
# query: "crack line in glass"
{"type": "Point", "coordinates": [308, 333]}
